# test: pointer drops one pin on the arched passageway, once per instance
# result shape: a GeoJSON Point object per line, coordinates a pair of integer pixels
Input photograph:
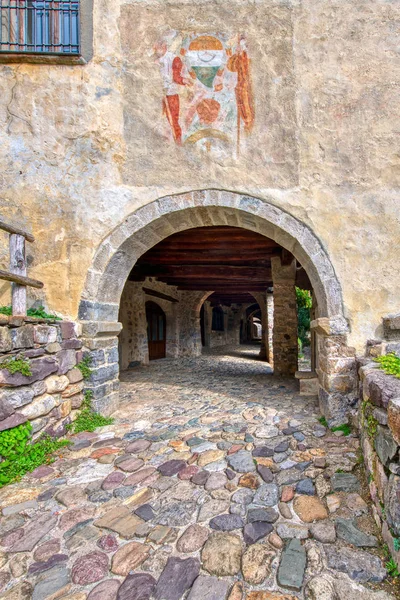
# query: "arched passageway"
{"type": "Point", "coordinates": [156, 221]}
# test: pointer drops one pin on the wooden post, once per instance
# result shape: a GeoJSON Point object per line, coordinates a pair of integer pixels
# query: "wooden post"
{"type": "Point", "coordinates": [18, 267]}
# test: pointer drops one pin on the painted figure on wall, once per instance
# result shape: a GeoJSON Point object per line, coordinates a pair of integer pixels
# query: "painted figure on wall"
{"type": "Point", "coordinates": [208, 94]}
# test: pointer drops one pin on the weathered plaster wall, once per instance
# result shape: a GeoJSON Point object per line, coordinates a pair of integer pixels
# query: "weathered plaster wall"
{"type": "Point", "coordinates": [82, 147]}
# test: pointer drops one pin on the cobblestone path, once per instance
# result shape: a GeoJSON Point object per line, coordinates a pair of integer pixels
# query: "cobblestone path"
{"type": "Point", "coordinates": [215, 482]}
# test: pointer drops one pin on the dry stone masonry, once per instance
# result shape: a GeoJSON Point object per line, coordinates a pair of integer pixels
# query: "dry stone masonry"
{"type": "Point", "coordinates": [50, 397]}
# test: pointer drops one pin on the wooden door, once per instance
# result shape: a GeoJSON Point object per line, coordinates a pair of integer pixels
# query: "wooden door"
{"type": "Point", "coordinates": [156, 330]}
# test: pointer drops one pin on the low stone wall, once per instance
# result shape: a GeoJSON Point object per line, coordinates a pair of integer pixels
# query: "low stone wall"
{"type": "Point", "coordinates": [50, 397]}
{"type": "Point", "coordinates": [378, 421]}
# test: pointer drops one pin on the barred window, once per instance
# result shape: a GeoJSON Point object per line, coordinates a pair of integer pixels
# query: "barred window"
{"type": "Point", "coordinates": [39, 26]}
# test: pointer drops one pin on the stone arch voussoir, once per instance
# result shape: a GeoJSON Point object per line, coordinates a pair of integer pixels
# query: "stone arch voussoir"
{"type": "Point", "coordinates": [150, 224]}
{"type": "Point", "coordinates": [157, 220]}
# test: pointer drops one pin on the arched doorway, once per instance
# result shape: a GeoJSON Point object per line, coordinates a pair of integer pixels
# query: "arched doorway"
{"type": "Point", "coordinates": [156, 330]}
{"type": "Point", "coordinates": [147, 226]}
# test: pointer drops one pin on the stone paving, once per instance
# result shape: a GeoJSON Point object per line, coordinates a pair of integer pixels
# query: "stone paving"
{"type": "Point", "coordinates": [216, 482]}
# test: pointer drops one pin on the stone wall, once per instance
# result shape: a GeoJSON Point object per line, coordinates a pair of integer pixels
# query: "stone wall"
{"type": "Point", "coordinates": [182, 311]}
{"type": "Point", "coordinates": [378, 421]}
{"type": "Point", "coordinates": [231, 333]}
{"type": "Point", "coordinates": [83, 147]}
{"type": "Point", "coordinates": [50, 397]}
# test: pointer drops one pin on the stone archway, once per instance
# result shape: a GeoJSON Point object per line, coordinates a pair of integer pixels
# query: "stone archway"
{"type": "Point", "coordinates": [157, 220]}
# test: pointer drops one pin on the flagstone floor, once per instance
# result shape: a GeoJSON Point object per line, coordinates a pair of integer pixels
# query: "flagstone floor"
{"type": "Point", "coordinates": [216, 482]}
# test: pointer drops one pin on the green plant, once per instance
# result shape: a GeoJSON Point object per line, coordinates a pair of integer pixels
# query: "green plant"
{"type": "Point", "coordinates": [368, 420]}
{"type": "Point", "coordinates": [339, 471]}
{"type": "Point", "coordinates": [390, 363]}
{"type": "Point", "coordinates": [345, 428]}
{"type": "Point", "coordinates": [323, 421]}
{"type": "Point", "coordinates": [396, 544]}
{"type": "Point", "coordinates": [391, 568]}
{"type": "Point", "coordinates": [304, 305]}
{"type": "Point", "coordinates": [17, 365]}
{"type": "Point", "coordinates": [39, 313]}
{"type": "Point", "coordinates": [84, 366]}
{"type": "Point", "coordinates": [14, 441]}
{"type": "Point", "coordinates": [88, 419]}
{"type": "Point", "coordinates": [20, 457]}
{"type": "Point", "coordinates": [360, 457]}
{"type": "Point", "coordinates": [370, 478]}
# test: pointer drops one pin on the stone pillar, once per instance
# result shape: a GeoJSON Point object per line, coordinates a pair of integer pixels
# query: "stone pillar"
{"type": "Point", "coordinates": [265, 343]}
{"type": "Point", "coordinates": [189, 323]}
{"type": "Point", "coordinates": [100, 339]}
{"type": "Point", "coordinates": [270, 328]}
{"type": "Point", "coordinates": [337, 371]}
{"type": "Point", "coordinates": [133, 343]}
{"type": "Point", "coordinates": [285, 317]}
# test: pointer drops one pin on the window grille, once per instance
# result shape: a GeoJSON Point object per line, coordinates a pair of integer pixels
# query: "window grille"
{"type": "Point", "coordinates": [39, 26]}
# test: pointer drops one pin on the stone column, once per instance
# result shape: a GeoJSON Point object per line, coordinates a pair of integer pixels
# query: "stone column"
{"type": "Point", "coordinates": [100, 339]}
{"type": "Point", "coordinates": [270, 328]}
{"type": "Point", "coordinates": [285, 317]}
{"type": "Point", "coordinates": [133, 341]}
{"type": "Point", "coordinates": [189, 323]}
{"type": "Point", "coordinates": [265, 344]}
{"type": "Point", "coordinates": [336, 370]}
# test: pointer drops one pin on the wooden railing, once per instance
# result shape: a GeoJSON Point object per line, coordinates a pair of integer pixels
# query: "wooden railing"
{"type": "Point", "coordinates": [17, 272]}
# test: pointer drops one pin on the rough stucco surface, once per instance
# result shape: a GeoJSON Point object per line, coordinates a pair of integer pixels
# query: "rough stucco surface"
{"type": "Point", "coordinates": [81, 148]}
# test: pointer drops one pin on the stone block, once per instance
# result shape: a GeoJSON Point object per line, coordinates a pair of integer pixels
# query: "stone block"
{"type": "Point", "coordinates": [22, 337]}
{"type": "Point", "coordinates": [56, 383]}
{"type": "Point", "coordinates": [53, 348]}
{"type": "Point", "coordinates": [33, 353]}
{"type": "Point", "coordinates": [106, 405]}
{"type": "Point", "coordinates": [44, 334]}
{"type": "Point", "coordinates": [66, 361]}
{"type": "Point", "coordinates": [69, 329]}
{"type": "Point", "coordinates": [65, 408]}
{"type": "Point", "coordinates": [102, 328]}
{"type": "Point", "coordinates": [72, 344]}
{"type": "Point", "coordinates": [76, 401]}
{"type": "Point", "coordinates": [381, 415]}
{"type": "Point", "coordinates": [391, 327]}
{"type": "Point", "coordinates": [5, 339]}
{"type": "Point", "coordinates": [12, 421]}
{"type": "Point", "coordinates": [112, 355]}
{"type": "Point", "coordinates": [392, 503]}
{"type": "Point", "coordinates": [343, 384]}
{"type": "Point", "coordinates": [393, 347]}
{"type": "Point", "coordinates": [98, 358]}
{"type": "Point", "coordinates": [385, 445]}
{"type": "Point", "coordinates": [380, 388]}
{"type": "Point", "coordinates": [72, 389]}
{"type": "Point", "coordinates": [103, 374]}
{"type": "Point", "coordinates": [18, 397]}
{"type": "Point", "coordinates": [309, 387]}
{"type": "Point", "coordinates": [74, 375]}
{"type": "Point", "coordinates": [6, 409]}
{"type": "Point", "coordinates": [393, 417]}
{"type": "Point", "coordinates": [42, 405]}
{"type": "Point", "coordinates": [39, 424]}
{"type": "Point", "coordinates": [40, 367]}
{"type": "Point", "coordinates": [335, 406]}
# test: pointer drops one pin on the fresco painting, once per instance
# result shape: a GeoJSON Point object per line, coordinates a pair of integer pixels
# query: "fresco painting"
{"type": "Point", "coordinates": [208, 98]}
